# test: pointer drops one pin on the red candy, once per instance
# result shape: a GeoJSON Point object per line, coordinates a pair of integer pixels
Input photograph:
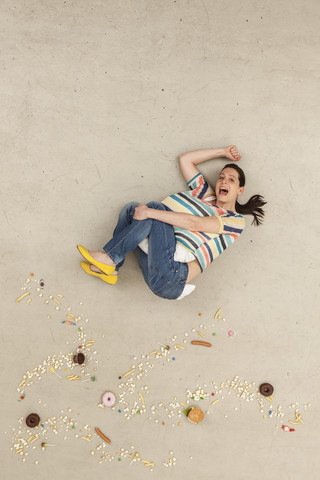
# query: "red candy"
{"type": "Point", "coordinates": [287, 429]}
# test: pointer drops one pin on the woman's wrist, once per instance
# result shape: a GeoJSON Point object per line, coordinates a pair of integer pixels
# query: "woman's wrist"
{"type": "Point", "coordinates": [150, 212]}
{"type": "Point", "coordinates": [219, 152]}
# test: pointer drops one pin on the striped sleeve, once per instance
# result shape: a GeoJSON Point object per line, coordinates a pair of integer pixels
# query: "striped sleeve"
{"type": "Point", "coordinates": [199, 186]}
{"type": "Point", "coordinates": [231, 224]}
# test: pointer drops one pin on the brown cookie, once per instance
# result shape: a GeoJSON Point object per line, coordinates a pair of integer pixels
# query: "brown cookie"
{"type": "Point", "coordinates": [195, 415]}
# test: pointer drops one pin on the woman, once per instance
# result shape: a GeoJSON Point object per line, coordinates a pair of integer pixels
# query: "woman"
{"type": "Point", "coordinates": [175, 240]}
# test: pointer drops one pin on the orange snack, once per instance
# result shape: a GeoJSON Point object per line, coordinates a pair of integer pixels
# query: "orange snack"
{"type": "Point", "coordinates": [204, 344]}
{"type": "Point", "coordinates": [106, 439]}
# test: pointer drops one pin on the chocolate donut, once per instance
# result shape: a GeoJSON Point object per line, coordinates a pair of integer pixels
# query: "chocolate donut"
{"type": "Point", "coordinates": [32, 420]}
{"type": "Point", "coordinates": [266, 389]}
{"type": "Point", "coordinates": [79, 358]}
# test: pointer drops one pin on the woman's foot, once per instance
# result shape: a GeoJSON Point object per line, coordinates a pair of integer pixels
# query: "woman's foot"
{"type": "Point", "coordinates": [99, 259]}
{"type": "Point", "coordinates": [102, 257]}
{"type": "Point", "coordinates": [95, 269]}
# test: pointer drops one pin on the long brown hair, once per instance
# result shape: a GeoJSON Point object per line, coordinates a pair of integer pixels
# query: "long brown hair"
{"type": "Point", "coordinates": [254, 204]}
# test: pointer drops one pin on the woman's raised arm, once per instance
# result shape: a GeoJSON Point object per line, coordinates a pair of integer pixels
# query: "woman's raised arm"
{"type": "Point", "coordinates": [189, 160]}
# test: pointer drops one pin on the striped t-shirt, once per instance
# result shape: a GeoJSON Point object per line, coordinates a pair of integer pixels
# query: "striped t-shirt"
{"type": "Point", "coordinates": [204, 246]}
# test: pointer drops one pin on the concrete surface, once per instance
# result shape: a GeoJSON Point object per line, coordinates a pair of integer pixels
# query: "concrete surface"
{"type": "Point", "coordinates": [98, 100]}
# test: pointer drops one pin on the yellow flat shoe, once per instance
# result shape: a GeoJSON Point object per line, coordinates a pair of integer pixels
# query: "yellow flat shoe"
{"type": "Point", "coordinates": [111, 279]}
{"type": "Point", "coordinates": [107, 269]}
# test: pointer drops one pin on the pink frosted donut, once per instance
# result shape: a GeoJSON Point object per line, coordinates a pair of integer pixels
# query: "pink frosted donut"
{"type": "Point", "coordinates": [108, 399]}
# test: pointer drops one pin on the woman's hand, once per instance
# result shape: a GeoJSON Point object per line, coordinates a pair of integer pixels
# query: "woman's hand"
{"type": "Point", "coordinates": [141, 212]}
{"type": "Point", "coordinates": [232, 153]}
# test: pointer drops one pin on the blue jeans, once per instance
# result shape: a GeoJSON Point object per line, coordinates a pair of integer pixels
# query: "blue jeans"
{"type": "Point", "coordinates": [165, 277]}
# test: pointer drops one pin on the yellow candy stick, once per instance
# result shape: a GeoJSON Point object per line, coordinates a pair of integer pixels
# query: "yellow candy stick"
{"type": "Point", "coordinates": [35, 438]}
{"type": "Point", "coordinates": [142, 400]}
{"type": "Point", "coordinates": [128, 373]}
{"type": "Point", "coordinates": [22, 296]}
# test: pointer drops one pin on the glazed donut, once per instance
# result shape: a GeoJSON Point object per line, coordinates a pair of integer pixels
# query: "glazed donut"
{"type": "Point", "coordinates": [108, 399]}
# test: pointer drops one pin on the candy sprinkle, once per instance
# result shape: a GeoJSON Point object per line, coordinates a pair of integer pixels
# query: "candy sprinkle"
{"type": "Point", "coordinates": [35, 438]}
{"type": "Point", "coordinates": [128, 373]}
{"type": "Point", "coordinates": [22, 296]}
{"type": "Point", "coordinates": [136, 455]}
{"type": "Point", "coordinates": [147, 464]}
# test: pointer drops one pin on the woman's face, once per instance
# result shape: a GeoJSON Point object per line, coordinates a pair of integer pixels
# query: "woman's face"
{"type": "Point", "coordinates": [228, 186]}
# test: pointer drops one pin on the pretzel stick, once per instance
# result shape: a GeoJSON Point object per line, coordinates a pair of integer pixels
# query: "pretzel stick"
{"type": "Point", "coordinates": [198, 342]}
{"type": "Point", "coordinates": [106, 439]}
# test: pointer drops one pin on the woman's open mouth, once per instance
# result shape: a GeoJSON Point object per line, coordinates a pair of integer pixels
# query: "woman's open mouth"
{"type": "Point", "coordinates": [223, 191]}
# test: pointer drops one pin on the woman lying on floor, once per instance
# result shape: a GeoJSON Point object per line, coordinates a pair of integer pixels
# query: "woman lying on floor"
{"type": "Point", "coordinates": [175, 240]}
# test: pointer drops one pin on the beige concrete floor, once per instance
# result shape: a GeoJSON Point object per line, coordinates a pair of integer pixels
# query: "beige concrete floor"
{"type": "Point", "coordinates": [98, 100]}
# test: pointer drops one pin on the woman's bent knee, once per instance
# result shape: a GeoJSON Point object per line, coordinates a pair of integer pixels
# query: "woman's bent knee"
{"type": "Point", "coordinates": [128, 209]}
{"type": "Point", "coordinates": [130, 205]}
{"type": "Point", "coordinates": [156, 205]}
